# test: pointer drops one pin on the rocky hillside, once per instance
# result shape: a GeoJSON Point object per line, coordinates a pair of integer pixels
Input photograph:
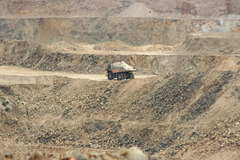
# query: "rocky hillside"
{"type": "Point", "coordinates": [167, 116]}
{"type": "Point", "coordinates": [133, 31]}
{"type": "Point", "coordinates": [211, 43]}
{"type": "Point", "coordinates": [186, 107]}
{"type": "Point", "coordinates": [189, 110]}
{"type": "Point", "coordinates": [89, 8]}
{"type": "Point", "coordinates": [133, 22]}
{"type": "Point", "coordinates": [70, 59]}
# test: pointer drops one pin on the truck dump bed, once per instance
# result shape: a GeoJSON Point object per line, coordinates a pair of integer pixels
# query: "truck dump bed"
{"type": "Point", "coordinates": [122, 66]}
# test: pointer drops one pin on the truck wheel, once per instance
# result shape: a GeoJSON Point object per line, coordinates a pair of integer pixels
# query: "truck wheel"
{"type": "Point", "coordinates": [110, 75]}
{"type": "Point", "coordinates": [124, 75]}
{"type": "Point", "coordinates": [119, 76]}
{"type": "Point", "coordinates": [131, 75]}
{"type": "Point", "coordinates": [127, 75]}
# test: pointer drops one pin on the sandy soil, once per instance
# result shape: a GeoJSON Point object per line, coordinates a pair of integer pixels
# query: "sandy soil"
{"type": "Point", "coordinates": [17, 75]}
{"type": "Point", "coordinates": [112, 48]}
{"type": "Point", "coordinates": [183, 103]}
{"type": "Point", "coordinates": [74, 112]}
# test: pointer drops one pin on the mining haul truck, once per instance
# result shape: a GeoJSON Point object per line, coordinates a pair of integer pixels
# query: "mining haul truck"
{"type": "Point", "coordinates": [120, 70]}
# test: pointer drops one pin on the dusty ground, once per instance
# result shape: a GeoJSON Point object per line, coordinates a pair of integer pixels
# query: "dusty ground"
{"type": "Point", "coordinates": [55, 96]}
{"type": "Point", "coordinates": [187, 115]}
{"type": "Point", "coordinates": [16, 75]}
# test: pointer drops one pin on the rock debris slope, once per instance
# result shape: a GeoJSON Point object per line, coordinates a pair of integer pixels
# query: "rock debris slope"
{"type": "Point", "coordinates": [185, 107]}
{"type": "Point", "coordinates": [166, 116]}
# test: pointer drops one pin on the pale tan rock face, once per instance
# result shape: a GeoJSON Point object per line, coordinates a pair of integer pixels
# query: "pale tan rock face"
{"type": "Point", "coordinates": [133, 22]}
{"type": "Point", "coordinates": [127, 8]}
{"type": "Point", "coordinates": [133, 31]}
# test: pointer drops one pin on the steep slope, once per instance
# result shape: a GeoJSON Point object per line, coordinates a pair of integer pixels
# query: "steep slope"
{"type": "Point", "coordinates": [167, 116]}
{"type": "Point", "coordinates": [90, 8]}
{"type": "Point", "coordinates": [212, 43]}
{"type": "Point", "coordinates": [69, 58]}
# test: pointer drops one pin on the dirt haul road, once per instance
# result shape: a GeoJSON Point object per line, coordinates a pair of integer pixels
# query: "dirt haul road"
{"type": "Point", "coordinates": [17, 75]}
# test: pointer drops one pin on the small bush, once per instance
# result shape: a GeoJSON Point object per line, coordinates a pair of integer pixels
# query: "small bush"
{"type": "Point", "coordinates": [7, 109]}
{"type": "Point", "coordinates": [5, 103]}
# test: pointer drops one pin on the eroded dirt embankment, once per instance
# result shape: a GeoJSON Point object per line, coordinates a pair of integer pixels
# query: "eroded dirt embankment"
{"type": "Point", "coordinates": [166, 116]}
{"type": "Point", "coordinates": [105, 8]}
{"type": "Point", "coordinates": [190, 109]}
{"type": "Point", "coordinates": [211, 43]}
{"type": "Point", "coordinates": [134, 31]}
{"type": "Point", "coordinates": [35, 56]}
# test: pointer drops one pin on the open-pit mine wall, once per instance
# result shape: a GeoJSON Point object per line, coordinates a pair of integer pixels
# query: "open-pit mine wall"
{"type": "Point", "coordinates": [135, 22]}
{"type": "Point", "coordinates": [133, 31]}
{"type": "Point", "coordinates": [163, 8]}
{"type": "Point", "coordinates": [21, 53]}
